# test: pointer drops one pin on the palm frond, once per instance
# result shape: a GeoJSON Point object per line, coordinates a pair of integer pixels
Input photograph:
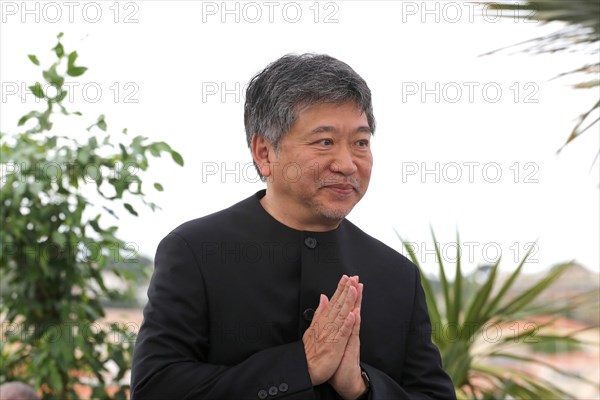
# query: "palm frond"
{"type": "Point", "coordinates": [581, 32]}
{"type": "Point", "coordinates": [460, 329]}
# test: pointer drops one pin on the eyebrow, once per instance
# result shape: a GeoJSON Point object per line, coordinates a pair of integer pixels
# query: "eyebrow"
{"type": "Point", "coordinates": [327, 128]}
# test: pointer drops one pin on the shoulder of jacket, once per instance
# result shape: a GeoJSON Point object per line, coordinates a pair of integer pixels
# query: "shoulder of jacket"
{"type": "Point", "coordinates": [377, 246]}
{"type": "Point", "coordinates": [216, 222]}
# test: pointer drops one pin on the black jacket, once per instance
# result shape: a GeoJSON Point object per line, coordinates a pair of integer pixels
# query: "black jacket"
{"type": "Point", "coordinates": [233, 292]}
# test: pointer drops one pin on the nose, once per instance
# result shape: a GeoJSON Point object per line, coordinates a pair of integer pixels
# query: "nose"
{"type": "Point", "coordinates": [343, 162]}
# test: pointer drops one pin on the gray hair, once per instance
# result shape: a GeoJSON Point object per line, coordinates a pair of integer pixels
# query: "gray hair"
{"type": "Point", "coordinates": [17, 391]}
{"type": "Point", "coordinates": [276, 94]}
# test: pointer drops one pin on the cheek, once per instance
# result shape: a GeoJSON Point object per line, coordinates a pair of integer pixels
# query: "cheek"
{"type": "Point", "coordinates": [313, 169]}
{"type": "Point", "coordinates": [365, 165]}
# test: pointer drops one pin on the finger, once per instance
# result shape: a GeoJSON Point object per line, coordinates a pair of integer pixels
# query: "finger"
{"type": "Point", "coordinates": [345, 331]}
{"type": "Point", "coordinates": [357, 320]}
{"type": "Point", "coordinates": [359, 296]}
{"type": "Point", "coordinates": [321, 309]}
{"type": "Point", "coordinates": [353, 280]}
{"type": "Point", "coordinates": [340, 288]}
{"type": "Point", "coordinates": [353, 346]}
{"type": "Point", "coordinates": [336, 306]}
{"type": "Point", "coordinates": [318, 330]}
{"type": "Point", "coordinates": [346, 306]}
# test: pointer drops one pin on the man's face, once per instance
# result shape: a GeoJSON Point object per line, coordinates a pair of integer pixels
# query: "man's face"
{"type": "Point", "coordinates": [322, 166]}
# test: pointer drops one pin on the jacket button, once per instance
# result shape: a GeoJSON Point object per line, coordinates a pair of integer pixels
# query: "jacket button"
{"type": "Point", "coordinates": [308, 314]}
{"type": "Point", "coordinates": [262, 394]}
{"type": "Point", "coordinates": [310, 242]}
{"type": "Point", "coordinates": [273, 391]}
{"type": "Point", "coordinates": [283, 387]}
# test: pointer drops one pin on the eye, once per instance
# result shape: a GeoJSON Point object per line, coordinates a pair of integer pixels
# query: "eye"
{"type": "Point", "coordinates": [362, 143]}
{"type": "Point", "coordinates": [325, 142]}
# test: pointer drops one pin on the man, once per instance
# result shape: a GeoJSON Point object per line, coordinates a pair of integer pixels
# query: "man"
{"type": "Point", "coordinates": [238, 305]}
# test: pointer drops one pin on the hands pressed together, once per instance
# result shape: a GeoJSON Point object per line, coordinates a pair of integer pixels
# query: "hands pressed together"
{"type": "Point", "coordinates": [331, 342]}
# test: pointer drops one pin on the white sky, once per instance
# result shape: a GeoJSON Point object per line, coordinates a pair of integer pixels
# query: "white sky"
{"type": "Point", "coordinates": [173, 56]}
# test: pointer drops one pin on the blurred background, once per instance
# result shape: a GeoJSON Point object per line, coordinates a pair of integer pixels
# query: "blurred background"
{"type": "Point", "coordinates": [135, 125]}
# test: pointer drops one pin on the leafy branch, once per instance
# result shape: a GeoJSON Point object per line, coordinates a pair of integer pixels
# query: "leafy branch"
{"type": "Point", "coordinates": [56, 248]}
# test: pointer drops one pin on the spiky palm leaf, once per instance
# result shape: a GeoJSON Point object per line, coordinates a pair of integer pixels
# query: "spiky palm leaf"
{"type": "Point", "coordinates": [460, 320]}
{"type": "Point", "coordinates": [581, 33]}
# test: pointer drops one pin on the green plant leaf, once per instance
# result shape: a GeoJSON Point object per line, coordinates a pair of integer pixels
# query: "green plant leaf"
{"type": "Point", "coordinates": [73, 70]}
{"type": "Point", "coordinates": [507, 284]}
{"type": "Point", "coordinates": [458, 289]}
{"type": "Point", "coordinates": [37, 91]}
{"type": "Point", "coordinates": [53, 77]}
{"type": "Point", "coordinates": [457, 360]}
{"type": "Point", "coordinates": [474, 318]}
{"type": "Point", "coordinates": [28, 116]}
{"type": "Point", "coordinates": [34, 59]}
{"type": "Point", "coordinates": [100, 123]}
{"type": "Point", "coordinates": [443, 279]}
{"type": "Point", "coordinates": [432, 308]}
{"type": "Point", "coordinates": [177, 157]}
{"type": "Point", "coordinates": [532, 292]}
{"type": "Point", "coordinates": [130, 208]}
{"type": "Point", "coordinates": [59, 50]}
{"type": "Point", "coordinates": [60, 97]}
{"type": "Point", "coordinates": [579, 30]}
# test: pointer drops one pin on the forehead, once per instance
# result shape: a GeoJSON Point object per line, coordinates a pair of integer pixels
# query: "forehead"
{"type": "Point", "coordinates": [335, 114]}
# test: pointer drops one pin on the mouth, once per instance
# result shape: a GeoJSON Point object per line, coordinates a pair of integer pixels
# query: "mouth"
{"type": "Point", "coordinates": [343, 189]}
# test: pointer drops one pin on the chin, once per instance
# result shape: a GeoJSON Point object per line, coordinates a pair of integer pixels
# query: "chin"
{"type": "Point", "coordinates": [335, 213]}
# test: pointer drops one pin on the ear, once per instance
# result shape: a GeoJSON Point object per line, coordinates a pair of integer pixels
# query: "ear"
{"type": "Point", "coordinates": [262, 152]}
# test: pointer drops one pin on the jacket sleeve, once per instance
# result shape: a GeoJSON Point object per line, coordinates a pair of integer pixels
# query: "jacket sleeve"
{"type": "Point", "coordinates": [169, 360]}
{"type": "Point", "coordinates": [423, 376]}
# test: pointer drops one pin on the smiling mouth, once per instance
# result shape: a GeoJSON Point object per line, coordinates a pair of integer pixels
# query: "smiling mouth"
{"type": "Point", "coordinates": [341, 189]}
